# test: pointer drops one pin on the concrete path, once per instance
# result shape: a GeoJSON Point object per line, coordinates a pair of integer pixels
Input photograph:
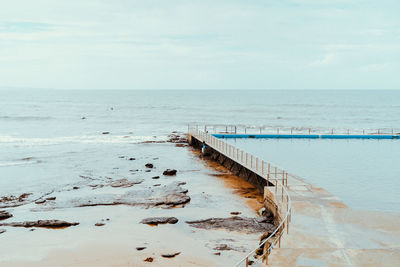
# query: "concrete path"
{"type": "Point", "coordinates": [325, 232]}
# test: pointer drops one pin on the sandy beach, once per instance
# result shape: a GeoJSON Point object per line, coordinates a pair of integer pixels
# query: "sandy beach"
{"type": "Point", "coordinates": [213, 193]}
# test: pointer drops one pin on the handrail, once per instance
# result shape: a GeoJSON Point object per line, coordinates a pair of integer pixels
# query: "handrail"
{"type": "Point", "coordinates": [263, 129]}
{"type": "Point", "coordinates": [270, 173]}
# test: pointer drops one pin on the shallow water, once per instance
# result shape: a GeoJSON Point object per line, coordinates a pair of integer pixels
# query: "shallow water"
{"type": "Point", "coordinates": [365, 174]}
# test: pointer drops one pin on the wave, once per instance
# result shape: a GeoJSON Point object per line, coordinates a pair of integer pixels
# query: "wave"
{"type": "Point", "coordinates": [87, 139]}
{"type": "Point", "coordinates": [26, 118]}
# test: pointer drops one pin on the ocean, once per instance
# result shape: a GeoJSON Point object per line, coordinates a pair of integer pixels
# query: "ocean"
{"type": "Point", "coordinates": [47, 136]}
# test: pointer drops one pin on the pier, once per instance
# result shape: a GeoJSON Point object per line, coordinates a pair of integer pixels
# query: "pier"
{"type": "Point", "coordinates": [327, 241]}
{"type": "Point", "coordinates": [268, 179]}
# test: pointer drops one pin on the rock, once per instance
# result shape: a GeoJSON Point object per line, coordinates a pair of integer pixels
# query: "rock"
{"type": "Point", "coordinates": [105, 132]}
{"type": "Point", "coordinates": [149, 259]}
{"type": "Point", "coordinates": [83, 118]}
{"type": "Point", "coordinates": [125, 182]}
{"type": "Point", "coordinates": [53, 224]}
{"type": "Point", "coordinates": [2, 231]}
{"type": "Point", "coordinates": [169, 172]}
{"type": "Point", "coordinates": [175, 138]}
{"type": "Point", "coordinates": [40, 201]}
{"type": "Point", "coordinates": [5, 215]}
{"type": "Point", "coordinates": [14, 201]}
{"type": "Point", "coordinates": [170, 195]}
{"type": "Point", "coordinates": [132, 159]}
{"type": "Point", "coordinates": [222, 247]}
{"type": "Point", "coordinates": [99, 224]}
{"type": "Point", "coordinates": [156, 184]}
{"type": "Point", "coordinates": [170, 255]}
{"type": "Point", "coordinates": [51, 198]}
{"type": "Point", "coordinates": [134, 170]}
{"type": "Point", "coordinates": [140, 248]}
{"type": "Point", "coordinates": [148, 171]}
{"type": "Point", "coordinates": [235, 213]}
{"type": "Point", "coordinates": [159, 220]}
{"type": "Point", "coordinates": [75, 187]}
{"type": "Point", "coordinates": [235, 223]}
{"type": "Point", "coordinates": [217, 253]}
{"type": "Point", "coordinates": [149, 165]}
{"type": "Point", "coordinates": [155, 177]}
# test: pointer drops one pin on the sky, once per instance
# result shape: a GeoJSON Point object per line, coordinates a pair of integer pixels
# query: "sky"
{"type": "Point", "coordinates": [193, 44]}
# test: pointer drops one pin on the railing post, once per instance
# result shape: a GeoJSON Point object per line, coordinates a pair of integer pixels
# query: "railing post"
{"type": "Point", "coordinates": [286, 179]}
{"type": "Point", "coordinates": [257, 164]}
{"type": "Point", "coordinates": [262, 168]}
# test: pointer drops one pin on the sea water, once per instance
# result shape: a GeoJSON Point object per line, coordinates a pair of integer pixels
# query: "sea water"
{"type": "Point", "coordinates": [61, 130]}
{"type": "Point", "coordinates": [364, 173]}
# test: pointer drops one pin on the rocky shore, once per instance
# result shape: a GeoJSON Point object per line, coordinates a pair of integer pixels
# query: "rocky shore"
{"type": "Point", "coordinates": [190, 203]}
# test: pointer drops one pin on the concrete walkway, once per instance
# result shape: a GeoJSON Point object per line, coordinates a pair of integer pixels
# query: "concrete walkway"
{"type": "Point", "coordinates": [325, 232]}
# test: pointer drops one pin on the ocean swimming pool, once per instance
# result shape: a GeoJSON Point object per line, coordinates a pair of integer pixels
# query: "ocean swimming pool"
{"type": "Point", "coordinates": [365, 174]}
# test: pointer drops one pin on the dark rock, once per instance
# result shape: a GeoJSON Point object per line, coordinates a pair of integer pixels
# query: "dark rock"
{"type": "Point", "coordinates": [134, 170]}
{"type": "Point", "coordinates": [125, 182]}
{"type": "Point", "coordinates": [75, 187]}
{"type": "Point", "coordinates": [53, 224]}
{"type": "Point", "coordinates": [83, 118]}
{"type": "Point", "coordinates": [175, 138]}
{"type": "Point", "coordinates": [159, 220]}
{"type": "Point", "coordinates": [222, 247]}
{"type": "Point", "coordinates": [107, 219]}
{"type": "Point", "coordinates": [105, 132]}
{"type": "Point", "coordinates": [149, 165]}
{"type": "Point", "coordinates": [2, 231]}
{"type": "Point", "coordinates": [169, 172]}
{"type": "Point", "coordinates": [148, 171]}
{"type": "Point", "coordinates": [149, 259]}
{"type": "Point", "coordinates": [40, 201]}
{"type": "Point", "coordinates": [5, 215]}
{"type": "Point", "coordinates": [51, 198]}
{"type": "Point", "coordinates": [14, 201]}
{"type": "Point", "coordinates": [132, 159]}
{"type": "Point", "coordinates": [235, 213]}
{"type": "Point", "coordinates": [155, 177]}
{"type": "Point", "coordinates": [99, 224]}
{"type": "Point", "coordinates": [235, 223]}
{"type": "Point", "coordinates": [140, 248]}
{"type": "Point", "coordinates": [217, 253]}
{"type": "Point", "coordinates": [156, 184]}
{"type": "Point", "coordinates": [170, 255]}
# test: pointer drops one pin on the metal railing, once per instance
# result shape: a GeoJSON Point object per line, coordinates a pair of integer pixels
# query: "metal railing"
{"type": "Point", "coordinates": [272, 174]}
{"type": "Point", "coordinates": [262, 129]}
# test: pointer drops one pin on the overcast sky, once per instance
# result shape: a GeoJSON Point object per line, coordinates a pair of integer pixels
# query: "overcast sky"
{"type": "Point", "coordinates": [193, 44]}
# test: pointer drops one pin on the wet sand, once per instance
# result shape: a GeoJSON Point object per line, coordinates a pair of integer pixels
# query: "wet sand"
{"type": "Point", "coordinates": [325, 232]}
{"type": "Point", "coordinates": [213, 193]}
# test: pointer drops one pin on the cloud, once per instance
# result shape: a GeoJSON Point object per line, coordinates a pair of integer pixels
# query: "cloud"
{"type": "Point", "coordinates": [131, 44]}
